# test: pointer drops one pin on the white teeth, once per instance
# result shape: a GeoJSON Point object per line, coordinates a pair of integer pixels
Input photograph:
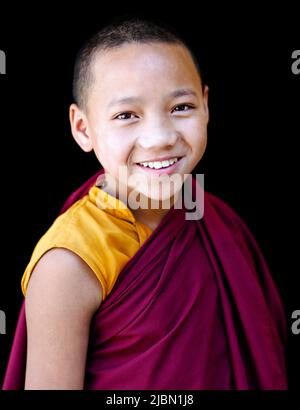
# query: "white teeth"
{"type": "Point", "coordinates": [159, 164]}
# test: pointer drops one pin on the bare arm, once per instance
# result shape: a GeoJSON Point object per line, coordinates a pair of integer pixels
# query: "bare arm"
{"type": "Point", "coordinates": [62, 296]}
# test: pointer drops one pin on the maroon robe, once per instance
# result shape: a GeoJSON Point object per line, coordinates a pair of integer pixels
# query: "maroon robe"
{"type": "Point", "coordinates": [195, 308]}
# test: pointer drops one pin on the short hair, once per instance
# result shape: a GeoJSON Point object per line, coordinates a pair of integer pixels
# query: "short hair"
{"type": "Point", "coordinates": [114, 34]}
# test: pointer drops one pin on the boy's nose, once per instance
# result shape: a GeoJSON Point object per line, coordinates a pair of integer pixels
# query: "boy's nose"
{"type": "Point", "coordinates": [158, 137]}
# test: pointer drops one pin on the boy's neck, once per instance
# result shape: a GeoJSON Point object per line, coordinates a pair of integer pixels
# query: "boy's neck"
{"type": "Point", "coordinates": [149, 217]}
{"type": "Point", "coordinates": [154, 213]}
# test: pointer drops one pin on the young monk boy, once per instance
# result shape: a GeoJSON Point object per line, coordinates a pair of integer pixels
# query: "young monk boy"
{"type": "Point", "coordinates": [120, 296]}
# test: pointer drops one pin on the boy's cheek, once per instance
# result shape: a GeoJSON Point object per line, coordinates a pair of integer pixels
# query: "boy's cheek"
{"type": "Point", "coordinates": [198, 139]}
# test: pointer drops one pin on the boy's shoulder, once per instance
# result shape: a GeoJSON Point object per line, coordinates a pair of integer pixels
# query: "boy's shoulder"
{"type": "Point", "coordinates": [102, 240]}
{"type": "Point", "coordinates": [83, 219]}
{"type": "Point", "coordinates": [65, 275]}
{"type": "Point", "coordinates": [53, 243]}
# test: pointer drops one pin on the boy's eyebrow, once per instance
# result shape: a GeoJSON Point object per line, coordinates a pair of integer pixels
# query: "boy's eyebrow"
{"type": "Point", "coordinates": [182, 92]}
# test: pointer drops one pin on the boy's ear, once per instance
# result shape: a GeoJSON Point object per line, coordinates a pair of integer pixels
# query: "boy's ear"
{"type": "Point", "coordinates": [79, 127]}
{"type": "Point", "coordinates": [205, 100]}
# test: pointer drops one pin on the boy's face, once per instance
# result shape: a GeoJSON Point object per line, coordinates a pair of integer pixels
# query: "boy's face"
{"type": "Point", "coordinates": [134, 115]}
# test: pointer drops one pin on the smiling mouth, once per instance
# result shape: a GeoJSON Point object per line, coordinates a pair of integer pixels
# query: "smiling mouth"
{"type": "Point", "coordinates": [159, 165]}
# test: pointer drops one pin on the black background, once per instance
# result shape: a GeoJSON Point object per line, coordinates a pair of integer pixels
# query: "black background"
{"type": "Point", "coordinates": [251, 159]}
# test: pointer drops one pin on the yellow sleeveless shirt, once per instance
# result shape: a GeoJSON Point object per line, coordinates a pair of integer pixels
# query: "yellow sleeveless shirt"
{"type": "Point", "coordinates": [100, 229]}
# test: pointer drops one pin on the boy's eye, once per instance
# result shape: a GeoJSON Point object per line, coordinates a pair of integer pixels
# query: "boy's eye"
{"type": "Point", "coordinates": [183, 107]}
{"type": "Point", "coordinates": [124, 116]}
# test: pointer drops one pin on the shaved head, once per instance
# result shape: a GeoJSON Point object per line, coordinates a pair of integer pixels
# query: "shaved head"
{"type": "Point", "coordinates": [114, 35]}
